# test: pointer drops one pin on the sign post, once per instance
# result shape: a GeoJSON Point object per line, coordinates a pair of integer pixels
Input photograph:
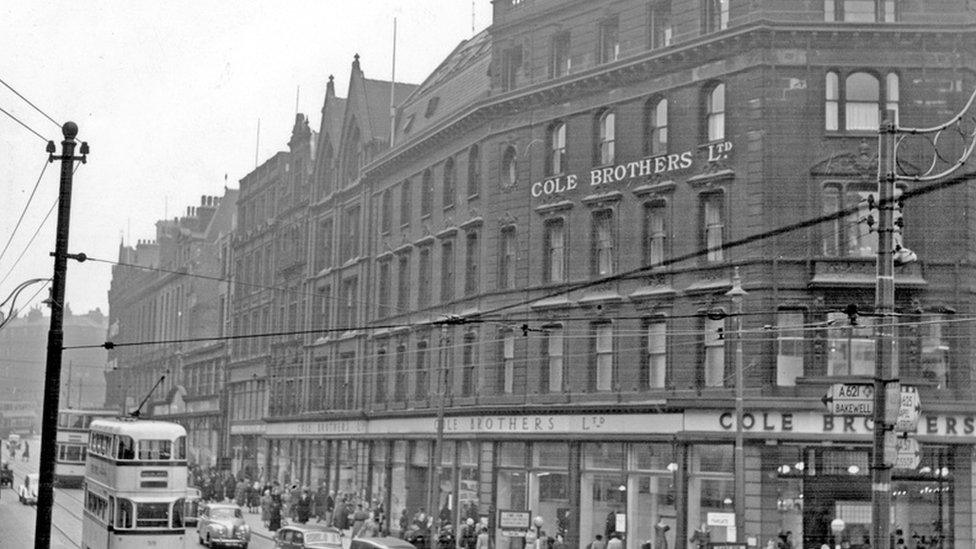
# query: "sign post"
{"type": "Point", "coordinates": [909, 410]}
{"type": "Point", "coordinates": [850, 399]}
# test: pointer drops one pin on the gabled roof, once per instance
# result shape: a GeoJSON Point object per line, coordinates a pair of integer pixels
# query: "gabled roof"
{"type": "Point", "coordinates": [368, 102]}
{"type": "Point", "coordinates": [223, 218]}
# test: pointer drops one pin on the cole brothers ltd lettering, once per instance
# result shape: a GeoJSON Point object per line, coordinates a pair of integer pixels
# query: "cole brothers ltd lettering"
{"type": "Point", "coordinates": [655, 165]}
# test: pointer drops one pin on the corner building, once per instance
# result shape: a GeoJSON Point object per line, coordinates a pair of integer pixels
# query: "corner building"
{"type": "Point", "coordinates": [539, 254]}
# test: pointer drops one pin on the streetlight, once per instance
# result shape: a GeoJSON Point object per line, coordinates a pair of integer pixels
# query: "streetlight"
{"type": "Point", "coordinates": [737, 294]}
{"type": "Point", "coordinates": [837, 527]}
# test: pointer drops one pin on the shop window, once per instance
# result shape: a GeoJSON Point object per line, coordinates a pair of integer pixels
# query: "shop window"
{"type": "Point", "coordinates": [508, 173]}
{"type": "Point", "coordinates": [512, 454]}
{"type": "Point", "coordinates": [555, 257]}
{"type": "Point", "coordinates": [422, 366]}
{"type": "Point", "coordinates": [424, 280]}
{"type": "Point", "coordinates": [472, 260]}
{"type": "Point", "coordinates": [713, 365]}
{"type": "Point", "coordinates": [789, 347]}
{"type": "Point", "coordinates": [426, 193]}
{"type": "Point", "coordinates": [506, 370]}
{"type": "Point", "coordinates": [556, 160]}
{"type": "Point", "coordinates": [652, 485]}
{"type": "Point", "coordinates": [601, 366]}
{"type": "Point", "coordinates": [403, 282]}
{"type": "Point", "coordinates": [552, 362]}
{"type": "Point", "coordinates": [715, 113]}
{"type": "Point", "coordinates": [712, 225]}
{"type": "Point", "coordinates": [449, 190]}
{"type": "Point", "coordinates": [474, 171]}
{"type": "Point", "coordinates": [468, 476]}
{"type": "Point", "coordinates": [561, 60]}
{"type": "Point", "coordinates": [406, 202]}
{"type": "Point", "coordinates": [661, 31]}
{"type": "Point", "coordinates": [447, 271]}
{"type": "Point", "coordinates": [469, 363]}
{"type": "Point", "coordinates": [711, 487]}
{"type": "Point", "coordinates": [715, 15]}
{"type": "Point", "coordinates": [380, 376]}
{"type": "Point", "coordinates": [656, 127]}
{"type": "Point", "coordinates": [609, 40]}
{"type": "Point", "coordinates": [602, 244]}
{"type": "Point", "coordinates": [653, 373]}
{"type": "Point", "coordinates": [655, 236]}
{"type": "Point", "coordinates": [860, 11]}
{"type": "Point", "coordinates": [604, 485]}
{"type": "Point", "coordinates": [506, 258]}
{"type": "Point", "coordinates": [605, 138]}
{"type": "Point", "coordinates": [850, 348]}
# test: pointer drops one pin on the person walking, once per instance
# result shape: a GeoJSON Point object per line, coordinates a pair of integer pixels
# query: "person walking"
{"type": "Point", "coordinates": [483, 540]}
{"type": "Point", "coordinates": [303, 507]}
{"type": "Point", "coordinates": [26, 450]}
{"type": "Point", "coordinates": [598, 543]}
{"type": "Point", "coordinates": [266, 508]}
{"type": "Point", "coordinates": [274, 523]}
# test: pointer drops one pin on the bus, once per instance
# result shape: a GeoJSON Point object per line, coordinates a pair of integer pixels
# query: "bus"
{"type": "Point", "coordinates": [72, 443]}
{"type": "Point", "coordinates": [135, 484]}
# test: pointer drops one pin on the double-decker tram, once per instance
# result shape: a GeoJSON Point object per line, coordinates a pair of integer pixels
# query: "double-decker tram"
{"type": "Point", "coordinates": [135, 485]}
{"type": "Point", "coordinates": [72, 444]}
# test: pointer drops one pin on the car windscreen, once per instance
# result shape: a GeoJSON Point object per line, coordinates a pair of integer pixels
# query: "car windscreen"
{"type": "Point", "coordinates": [322, 537]}
{"type": "Point", "coordinates": [226, 513]}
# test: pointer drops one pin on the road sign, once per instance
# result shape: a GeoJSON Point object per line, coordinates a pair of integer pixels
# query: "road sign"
{"type": "Point", "coordinates": [909, 410]}
{"type": "Point", "coordinates": [909, 454]}
{"type": "Point", "coordinates": [850, 399]}
{"type": "Point", "coordinates": [892, 401]}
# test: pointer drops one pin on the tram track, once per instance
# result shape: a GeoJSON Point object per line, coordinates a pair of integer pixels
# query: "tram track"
{"type": "Point", "coordinates": [21, 469]}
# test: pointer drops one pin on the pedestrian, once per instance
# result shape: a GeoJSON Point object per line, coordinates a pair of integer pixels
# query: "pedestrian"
{"type": "Point", "coordinates": [303, 507]}
{"type": "Point", "coordinates": [404, 522]}
{"type": "Point", "coordinates": [266, 507]}
{"type": "Point", "coordinates": [371, 528]}
{"type": "Point", "coordinates": [559, 543]}
{"type": "Point", "coordinates": [598, 543]}
{"type": "Point", "coordinates": [484, 540]}
{"type": "Point", "coordinates": [26, 450]}
{"type": "Point", "coordinates": [615, 541]}
{"type": "Point", "coordinates": [340, 517]}
{"type": "Point", "coordinates": [322, 504]}
{"type": "Point", "coordinates": [274, 523]}
{"type": "Point", "coordinates": [468, 538]}
{"type": "Point", "coordinates": [359, 520]}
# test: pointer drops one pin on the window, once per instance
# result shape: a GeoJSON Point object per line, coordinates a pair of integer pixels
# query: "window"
{"type": "Point", "coordinates": [423, 366]}
{"type": "Point", "coordinates": [347, 308]}
{"type": "Point", "coordinates": [380, 394]}
{"type": "Point", "coordinates": [853, 235]}
{"type": "Point", "coordinates": [862, 100]}
{"type": "Point", "coordinates": [469, 361]}
{"type": "Point", "coordinates": [605, 131]}
{"type": "Point", "coordinates": [656, 127]}
{"type": "Point", "coordinates": [506, 258]}
{"type": "Point", "coordinates": [715, 15]}
{"type": "Point", "coordinates": [350, 241]}
{"type": "Point", "coordinates": [511, 63]}
{"type": "Point", "coordinates": [474, 171]}
{"type": "Point", "coordinates": [714, 355]}
{"type": "Point", "coordinates": [506, 373]}
{"type": "Point", "coordinates": [449, 191]}
{"type": "Point", "coordinates": [155, 449]}
{"type": "Point", "coordinates": [508, 174]}
{"type": "Point", "coordinates": [403, 282]}
{"type": "Point", "coordinates": [424, 277]}
{"type": "Point", "coordinates": [860, 11]}
{"type": "Point", "coordinates": [892, 94]}
{"type": "Point", "coordinates": [713, 226]}
{"type": "Point", "coordinates": [324, 251]}
{"type": "Point", "coordinates": [601, 250]}
{"type": "Point", "coordinates": [383, 306]}
{"type": "Point", "coordinates": [123, 519]}
{"type": "Point", "coordinates": [654, 233]}
{"type": "Point", "coordinates": [426, 193]}
{"type": "Point", "coordinates": [556, 159]}
{"type": "Point", "coordinates": [715, 113]}
{"type": "Point", "coordinates": [472, 258]}
{"type": "Point", "coordinates": [152, 515]}
{"type": "Point", "coordinates": [789, 347]}
{"type": "Point", "coordinates": [661, 33]}
{"type": "Point", "coordinates": [561, 62]}
{"type": "Point", "coordinates": [850, 349]}
{"type": "Point", "coordinates": [601, 373]}
{"type": "Point", "coordinates": [609, 40]}
{"type": "Point", "coordinates": [831, 101]}
{"type": "Point", "coordinates": [406, 202]}
{"type": "Point", "coordinates": [555, 257]}
{"type": "Point", "coordinates": [653, 374]}
{"type": "Point", "coordinates": [447, 270]}
{"type": "Point", "coordinates": [386, 211]}
{"type": "Point", "coordinates": [935, 349]}
{"type": "Point", "coordinates": [552, 361]}
{"type": "Point", "coordinates": [861, 92]}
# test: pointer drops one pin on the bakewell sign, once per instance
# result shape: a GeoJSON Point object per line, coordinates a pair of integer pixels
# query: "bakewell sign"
{"type": "Point", "coordinates": [653, 165]}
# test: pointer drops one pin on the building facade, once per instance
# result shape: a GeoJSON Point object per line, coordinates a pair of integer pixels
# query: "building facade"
{"type": "Point", "coordinates": [544, 256]}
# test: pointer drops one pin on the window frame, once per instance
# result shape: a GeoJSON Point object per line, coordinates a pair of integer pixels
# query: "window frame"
{"type": "Point", "coordinates": [715, 108]}
{"type": "Point", "coordinates": [660, 29]}
{"type": "Point", "coordinates": [707, 229]}
{"type": "Point", "coordinates": [608, 40]}
{"type": "Point", "coordinates": [603, 237]}
{"type": "Point", "coordinates": [508, 166]}
{"type": "Point", "coordinates": [507, 257]}
{"type": "Point", "coordinates": [713, 342]}
{"type": "Point", "coordinates": [716, 15]}
{"type": "Point", "coordinates": [604, 137]}
{"type": "Point", "coordinates": [837, 101]}
{"type": "Point", "coordinates": [406, 202]}
{"type": "Point", "coordinates": [560, 58]}
{"type": "Point", "coordinates": [656, 132]}
{"type": "Point", "coordinates": [474, 171]}
{"type": "Point", "coordinates": [650, 378]}
{"type": "Point", "coordinates": [426, 193]}
{"type": "Point", "coordinates": [556, 148]}
{"type": "Point", "coordinates": [653, 239]}
{"type": "Point", "coordinates": [555, 256]}
{"type": "Point", "coordinates": [553, 353]}
{"type": "Point", "coordinates": [449, 180]}
{"type": "Point", "coordinates": [472, 262]}
{"type": "Point", "coordinates": [602, 356]}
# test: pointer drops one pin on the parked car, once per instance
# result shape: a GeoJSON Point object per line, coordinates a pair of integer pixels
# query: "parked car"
{"type": "Point", "coordinates": [308, 536]}
{"type": "Point", "coordinates": [191, 507]}
{"type": "Point", "coordinates": [27, 492]}
{"type": "Point", "coordinates": [380, 543]}
{"type": "Point", "coordinates": [222, 525]}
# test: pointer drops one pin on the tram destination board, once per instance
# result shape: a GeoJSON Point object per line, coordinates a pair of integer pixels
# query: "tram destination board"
{"type": "Point", "coordinates": [850, 399]}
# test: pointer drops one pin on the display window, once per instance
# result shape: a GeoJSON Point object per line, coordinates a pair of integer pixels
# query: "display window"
{"type": "Point", "coordinates": [711, 492]}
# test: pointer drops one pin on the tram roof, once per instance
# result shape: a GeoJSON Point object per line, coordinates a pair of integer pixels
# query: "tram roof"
{"type": "Point", "coordinates": [89, 411]}
{"type": "Point", "coordinates": [139, 428]}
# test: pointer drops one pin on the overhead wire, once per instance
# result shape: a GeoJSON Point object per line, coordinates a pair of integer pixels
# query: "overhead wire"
{"type": "Point", "coordinates": [20, 219]}
{"type": "Point", "coordinates": [29, 102]}
{"type": "Point", "coordinates": [28, 128]}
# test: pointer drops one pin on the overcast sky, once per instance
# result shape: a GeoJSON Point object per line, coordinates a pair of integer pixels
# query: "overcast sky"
{"type": "Point", "coordinates": [168, 96]}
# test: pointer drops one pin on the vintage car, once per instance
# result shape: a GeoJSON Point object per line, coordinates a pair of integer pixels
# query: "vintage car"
{"type": "Point", "coordinates": [222, 525]}
{"type": "Point", "coordinates": [27, 492]}
{"type": "Point", "coordinates": [308, 536]}
{"type": "Point", "coordinates": [380, 543]}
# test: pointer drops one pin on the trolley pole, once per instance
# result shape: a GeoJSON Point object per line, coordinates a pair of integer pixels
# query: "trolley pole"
{"type": "Point", "coordinates": [55, 337]}
{"type": "Point", "coordinates": [737, 294]}
{"type": "Point", "coordinates": [884, 367]}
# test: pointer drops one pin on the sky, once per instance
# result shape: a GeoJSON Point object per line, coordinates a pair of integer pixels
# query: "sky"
{"type": "Point", "coordinates": [168, 96]}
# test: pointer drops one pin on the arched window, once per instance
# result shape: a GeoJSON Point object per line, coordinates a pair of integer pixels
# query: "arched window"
{"type": "Point", "coordinates": [449, 192]}
{"type": "Point", "coordinates": [556, 159]}
{"type": "Point", "coordinates": [605, 136]}
{"type": "Point", "coordinates": [861, 95]}
{"type": "Point", "coordinates": [715, 109]}
{"type": "Point", "coordinates": [474, 171]}
{"type": "Point", "coordinates": [509, 168]}
{"type": "Point", "coordinates": [656, 127]}
{"type": "Point", "coordinates": [831, 99]}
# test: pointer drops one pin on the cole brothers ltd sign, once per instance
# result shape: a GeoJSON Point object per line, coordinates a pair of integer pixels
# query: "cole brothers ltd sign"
{"type": "Point", "coordinates": [652, 165]}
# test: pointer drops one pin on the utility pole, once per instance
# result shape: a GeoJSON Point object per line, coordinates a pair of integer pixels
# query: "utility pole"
{"type": "Point", "coordinates": [885, 370]}
{"type": "Point", "coordinates": [737, 294]}
{"type": "Point", "coordinates": [55, 337]}
{"type": "Point", "coordinates": [433, 489]}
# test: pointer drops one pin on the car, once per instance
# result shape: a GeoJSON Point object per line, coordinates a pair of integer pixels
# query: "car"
{"type": "Point", "coordinates": [222, 525]}
{"type": "Point", "coordinates": [27, 492]}
{"type": "Point", "coordinates": [308, 536]}
{"type": "Point", "coordinates": [6, 476]}
{"type": "Point", "coordinates": [191, 507]}
{"type": "Point", "coordinates": [380, 543]}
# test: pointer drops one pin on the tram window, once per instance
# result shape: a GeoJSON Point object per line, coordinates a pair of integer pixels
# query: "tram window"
{"type": "Point", "coordinates": [152, 515]}
{"type": "Point", "coordinates": [111, 510]}
{"type": "Point", "coordinates": [62, 421]}
{"type": "Point", "coordinates": [71, 452]}
{"type": "Point", "coordinates": [124, 517]}
{"type": "Point", "coordinates": [155, 449]}
{"type": "Point", "coordinates": [181, 448]}
{"type": "Point", "coordinates": [126, 448]}
{"type": "Point", "coordinates": [178, 513]}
